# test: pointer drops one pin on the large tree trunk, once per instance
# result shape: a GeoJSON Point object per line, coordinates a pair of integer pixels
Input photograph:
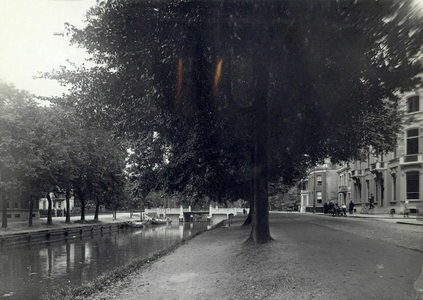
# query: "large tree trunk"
{"type": "Point", "coordinates": [67, 206]}
{"type": "Point", "coordinates": [31, 209]}
{"type": "Point", "coordinates": [97, 209]}
{"type": "Point", "coordinates": [82, 201]}
{"type": "Point", "coordinates": [4, 208]}
{"type": "Point", "coordinates": [260, 232]}
{"type": "Point", "coordinates": [249, 219]}
{"type": "Point", "coordinates": [49, 217]}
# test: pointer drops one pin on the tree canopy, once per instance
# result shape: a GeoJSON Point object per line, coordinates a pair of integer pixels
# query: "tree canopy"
{"type": "Point", "coordinates": [292, 82]}
{"type": "Point", "coordinates": [47, 149]}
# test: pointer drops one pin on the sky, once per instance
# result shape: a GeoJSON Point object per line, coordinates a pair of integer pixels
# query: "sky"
{"type": "Point", "coordinates": [28, 43]}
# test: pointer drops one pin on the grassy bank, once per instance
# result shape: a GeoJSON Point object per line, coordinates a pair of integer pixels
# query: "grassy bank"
{"type": "Point", "coordinates": [107, 279]}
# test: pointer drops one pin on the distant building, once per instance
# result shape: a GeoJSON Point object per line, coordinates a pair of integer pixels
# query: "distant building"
{"type": "Point", "coordinates": [395, 179]}
{"type": "Point", "coordinates": [319, 187]}
{"type": "Point", "coordinates": [344, 184]}
{"type": "Point", "coordinates": [58, 204]}
{"type": "Point", "coordinates": [18, 209]}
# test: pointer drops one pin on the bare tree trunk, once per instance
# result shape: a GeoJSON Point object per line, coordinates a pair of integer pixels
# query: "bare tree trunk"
{"type": "Point", "coordinates": [4, 216]}
{"type": "Point", "coordinates": [49, 217]}
{"type": "Point", "coordinates": [260, 232]}
{"type": "Point", "coordinates": [67, 206]}
{"type": "Point", "coordinates": [82, 201]}
{"type": "Point", "coordinates": [97, 209]}
{"type": "Point", "coordinates": [31, 209]}
{"type": "Point", "coordinates": [249, 219]}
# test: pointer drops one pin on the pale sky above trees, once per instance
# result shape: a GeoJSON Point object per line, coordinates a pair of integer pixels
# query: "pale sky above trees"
{"type": "Point", "coordinates": [29, 44]}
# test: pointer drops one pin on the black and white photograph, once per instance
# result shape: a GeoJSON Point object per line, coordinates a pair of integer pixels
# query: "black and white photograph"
{"type": "Point", "coordinates": [211, 149]}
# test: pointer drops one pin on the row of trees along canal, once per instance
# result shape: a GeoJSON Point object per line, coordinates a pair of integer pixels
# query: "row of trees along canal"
{"type": "Point", "coordinates": [49, 149]}
{"type": "Point", "coordinates": [228, 98]}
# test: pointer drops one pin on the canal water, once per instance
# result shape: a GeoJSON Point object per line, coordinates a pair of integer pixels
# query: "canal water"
{"type": "Point", "coordinates": [28, 272]}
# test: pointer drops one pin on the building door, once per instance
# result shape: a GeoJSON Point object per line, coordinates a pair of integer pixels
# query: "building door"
{"type": "Point", "coordinates": [382, 189]}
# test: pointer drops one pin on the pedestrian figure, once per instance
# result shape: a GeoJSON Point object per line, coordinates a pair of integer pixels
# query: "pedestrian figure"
{"type": "Point", "coordinates": [371, 201]}
{"type": "Point", "coordinates": [351, 207]}
{"type": "Point", "coordinates": [331, 208]}
{"type": "Point", "coordinates": [392, 212]}
{"type": "Point", "coordinates": [406, 210]}
{"type": "Point", "coordinates": [244, 211]}
{"type": "Point", "coordinates": [337, 210]}
{"type": "Point", "coordinates": [325, 208]}
{"type": "Point", "coordinates": [344, 209]}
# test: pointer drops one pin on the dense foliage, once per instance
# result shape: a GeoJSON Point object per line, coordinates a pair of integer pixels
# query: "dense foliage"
{"type": "Point", "coordinates": [46, 149]}
{"type": "Point", "coordinates": [221, 96]}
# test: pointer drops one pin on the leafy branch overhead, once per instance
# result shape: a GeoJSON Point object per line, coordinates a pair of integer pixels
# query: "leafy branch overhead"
{"type": "Point", "coordinates": [242, 92]}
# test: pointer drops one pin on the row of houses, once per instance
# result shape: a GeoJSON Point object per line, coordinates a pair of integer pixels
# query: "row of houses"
{"type": "Point", "coordinates": [394, 180]}
{"type": "Point", "coordinates": [18, 209]}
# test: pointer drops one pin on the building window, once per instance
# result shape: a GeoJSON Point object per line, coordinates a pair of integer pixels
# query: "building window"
{"type": "Point", "coordinates": [319, 179]}
{"type": "Point", "coordinates": [319, 197]}
{"type": "Point", "coordinates": [394, 187]}
{"type": "Point", "coordinates": [304, 186]}
{"type": "Point", "coordinates": [16, 204]}
{"type": "Point", "coordinates": [412, 141]}
{"type": "Point", "coordinates": [17, 215]}
{"type": "Point", "coordinates": [413, 104]}
{"type": "Point", "coordinates": [413, 185]}
{"type": "Point", "coordinates": [368, 188]}
{"type": "Point", "coordinates": [382, 191]}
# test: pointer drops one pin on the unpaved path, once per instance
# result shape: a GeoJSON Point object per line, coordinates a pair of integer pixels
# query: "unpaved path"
{"type": "Point", "coordinates": [297, 265]}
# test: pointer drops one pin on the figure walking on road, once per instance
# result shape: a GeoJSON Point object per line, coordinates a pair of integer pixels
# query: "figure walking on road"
{"type": "Point", "coordinates": [371, 201]}
{"type": "Point", "coordinates": [351, 207]}
{"type": "Point", "coordinates": [344, 209]}
{"type": "Point", "coordinates": [406, 210]}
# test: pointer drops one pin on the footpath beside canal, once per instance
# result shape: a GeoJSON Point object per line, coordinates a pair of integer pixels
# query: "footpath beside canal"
{"type": "Point", "coordinates": [18, 232]}
{"type": "Point", "coordinates": [312, 257]}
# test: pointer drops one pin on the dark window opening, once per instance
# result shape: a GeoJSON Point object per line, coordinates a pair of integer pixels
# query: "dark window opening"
{"type": "Point", "coordinates": [413, 104]}
{"type": "Point", "coordinates": [413, 141]}
{"type": "Point", "coordinates": [413, 185]}
{"type": "Point", "coordinates": [394, 186]}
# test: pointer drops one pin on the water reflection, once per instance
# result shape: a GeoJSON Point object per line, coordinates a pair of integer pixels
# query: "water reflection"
{"type": "Point", "coordinates": [31, 271]}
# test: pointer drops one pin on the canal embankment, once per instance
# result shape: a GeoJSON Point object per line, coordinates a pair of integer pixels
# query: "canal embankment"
{"type": "Point", "coordinates": [19, 233]}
